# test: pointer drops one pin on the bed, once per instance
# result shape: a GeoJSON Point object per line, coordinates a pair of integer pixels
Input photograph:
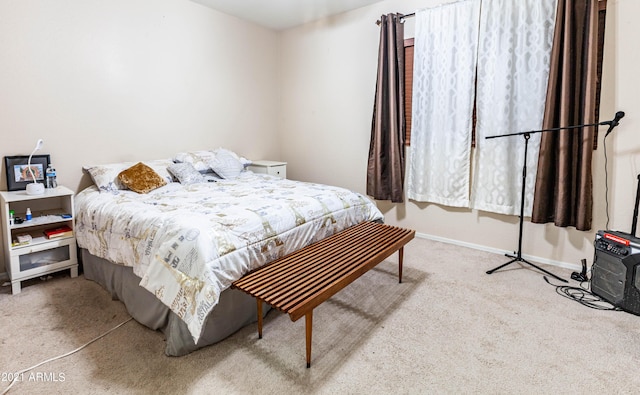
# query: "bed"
{"type": "Point", "coordinates": [171, 253]}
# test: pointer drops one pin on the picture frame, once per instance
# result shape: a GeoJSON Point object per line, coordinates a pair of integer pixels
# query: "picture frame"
{"type": "Point", "coordinates": [18, 175]}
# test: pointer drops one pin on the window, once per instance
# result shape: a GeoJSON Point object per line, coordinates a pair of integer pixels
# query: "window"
{"type": "Point", "coordinates": [408, 77]}
{"type": "Point", "coordinates": [408, 87]}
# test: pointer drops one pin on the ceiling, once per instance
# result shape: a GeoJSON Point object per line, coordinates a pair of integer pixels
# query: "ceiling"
{"type": "Point", "coordinates": [284, 14]}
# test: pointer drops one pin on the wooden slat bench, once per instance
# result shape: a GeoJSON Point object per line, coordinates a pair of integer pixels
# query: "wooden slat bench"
{"type": "Point", "coordinates": [299, 282]}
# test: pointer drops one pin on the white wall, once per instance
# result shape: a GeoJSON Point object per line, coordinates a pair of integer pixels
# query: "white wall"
{"type": "Point", "coordinates": [125, 80]}
{"type": "Point", "coordinates": [104, 81]}
{"type": "Point", "coordinates": [328, 86]}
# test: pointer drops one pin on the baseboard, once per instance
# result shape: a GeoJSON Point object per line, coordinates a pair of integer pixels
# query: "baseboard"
{"type": "Point", "coordinates": [535, 259]}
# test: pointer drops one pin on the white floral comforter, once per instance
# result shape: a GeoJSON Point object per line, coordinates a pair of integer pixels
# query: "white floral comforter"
{"type": "Point", "coordinates": [189, 243]}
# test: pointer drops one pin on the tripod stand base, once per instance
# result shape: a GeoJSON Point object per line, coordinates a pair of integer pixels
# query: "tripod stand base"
{"type": "Point", "coordinates": [518, 258]}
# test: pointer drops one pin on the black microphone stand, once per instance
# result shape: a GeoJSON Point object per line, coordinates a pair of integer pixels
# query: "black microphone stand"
{"type": "Point", "coordinates": [517, 257]}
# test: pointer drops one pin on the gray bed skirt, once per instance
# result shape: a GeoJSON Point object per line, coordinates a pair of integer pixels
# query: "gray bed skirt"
{"type": "Point", "coordinates": [234, 310]}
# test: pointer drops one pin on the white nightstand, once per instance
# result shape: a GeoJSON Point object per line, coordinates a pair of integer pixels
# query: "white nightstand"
{"type": "Point", "coordinates": [269, 167]}
{"type": "Point", "coordinates": [41, 255]}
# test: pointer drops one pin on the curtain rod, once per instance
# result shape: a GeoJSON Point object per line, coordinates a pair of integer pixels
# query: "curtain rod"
{"type": "Point", "coordinates": [602, 6]}
{"type": "Point", "coordinates": [402, 18]}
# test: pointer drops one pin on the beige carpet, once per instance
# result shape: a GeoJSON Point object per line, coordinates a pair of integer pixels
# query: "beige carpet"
{"type": "Point", "coordinates": [448, 328]}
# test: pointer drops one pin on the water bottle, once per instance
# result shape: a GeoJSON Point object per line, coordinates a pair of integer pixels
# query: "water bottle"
{"type": "Point", "coordinates": [51, 181]}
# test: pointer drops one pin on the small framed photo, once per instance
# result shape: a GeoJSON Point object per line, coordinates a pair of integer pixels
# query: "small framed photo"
{"type": "Point", "coordinates": [18, 174]}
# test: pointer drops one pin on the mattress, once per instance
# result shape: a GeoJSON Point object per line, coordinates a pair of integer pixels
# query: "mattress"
{"type": "Point", "coordinates": [188, 243]}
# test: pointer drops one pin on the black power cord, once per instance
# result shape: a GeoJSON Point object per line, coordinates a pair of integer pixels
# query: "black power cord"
{"type": "Point", "coordinates": [582, 295]}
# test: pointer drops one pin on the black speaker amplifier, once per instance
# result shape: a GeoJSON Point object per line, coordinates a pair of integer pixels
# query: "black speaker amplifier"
{"type": "Point", "coordinates": [615, 274]}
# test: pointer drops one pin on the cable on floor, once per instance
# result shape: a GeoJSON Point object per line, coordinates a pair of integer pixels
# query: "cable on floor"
{"type": "Point", "coordinates": [583, 296]}
{"type": "Point", "coordinates": [18, 374]}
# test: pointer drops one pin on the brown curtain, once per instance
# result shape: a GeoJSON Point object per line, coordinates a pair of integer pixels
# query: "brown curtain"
{"type": "Point", "coordinates": [563, 191]}
{"type": "Point", "coordinates": [385, 170]}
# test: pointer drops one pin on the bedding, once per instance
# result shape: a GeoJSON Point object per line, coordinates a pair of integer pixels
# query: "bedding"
{"type": "Point", "coordinates": [188, 242]}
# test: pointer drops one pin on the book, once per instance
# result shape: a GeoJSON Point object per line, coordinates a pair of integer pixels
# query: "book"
{"type": "Point", "coordinates": [63, 231]}
{"type": "Point", "coordinates": [22, 240]}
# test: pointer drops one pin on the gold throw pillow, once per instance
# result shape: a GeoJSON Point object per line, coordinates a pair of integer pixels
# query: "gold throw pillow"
{"type": "Point", "coordinates": [141, 178]}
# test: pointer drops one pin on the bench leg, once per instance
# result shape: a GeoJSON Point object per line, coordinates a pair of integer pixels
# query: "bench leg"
{"type": "Point", "coordinates": [308, 326]}
{"type": "Point", "coordinates": [259, 317]}
{"type": "Point", "coordinates": [400, 256]}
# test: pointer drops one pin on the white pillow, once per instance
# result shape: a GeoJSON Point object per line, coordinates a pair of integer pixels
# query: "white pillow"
{"type": "Point", "coordinates": [186, 173]}
{"type": "Point", "coordinates": [199, 159]}
{"type": "Point", "coordinates": [226, 164]}
{"type": "Point", "coordinates": [245, 162]}
{"type": "Point", "coordinates": [105, 177]}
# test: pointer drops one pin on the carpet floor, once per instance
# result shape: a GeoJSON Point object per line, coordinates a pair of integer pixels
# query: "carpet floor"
{"type": "Point", "coordinates": [449, 328]}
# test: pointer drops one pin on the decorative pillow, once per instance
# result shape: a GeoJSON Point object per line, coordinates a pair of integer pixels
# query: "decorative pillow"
{"type": "Point", "coordinates": [141, 178]}
{"type": "Point", "coordinates": [199, 159]}
{"type": "Point", "coordinates": [226, 165]}
{"type": "Point", "coordinates": [245, 162]}
{"type": "Point", "coordinates": [186, 173]}
{"type": "Point", "coordinates": [105, 177]}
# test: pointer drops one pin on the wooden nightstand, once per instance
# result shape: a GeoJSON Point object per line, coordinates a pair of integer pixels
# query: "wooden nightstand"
{"type": "Point", "coordinates": [41, 255]}
{"type": "Point", "coordinates": [274, 168]}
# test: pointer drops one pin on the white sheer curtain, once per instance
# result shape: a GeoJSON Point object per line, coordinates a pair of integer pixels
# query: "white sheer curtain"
{"type": "Point", "coordinates": [446, 43]}
{"type": "Point", "coordinates": [513, 68]}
